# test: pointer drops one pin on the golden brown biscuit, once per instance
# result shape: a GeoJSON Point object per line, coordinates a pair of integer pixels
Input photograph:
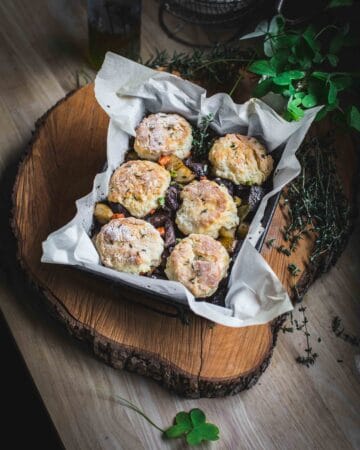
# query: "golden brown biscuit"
{"type": "Point", "coordinates": [129, 245]}
{"type": "Point", "coordinates": [199, 262]}
{"type": "Point", "coordinates": [163, 134]}
{"type": "Point", "coordinates": [206, 207]}
{"type": "Point", "coordinates": [138, 186]}
{"type": "Point", "coordinates": [241, 159]}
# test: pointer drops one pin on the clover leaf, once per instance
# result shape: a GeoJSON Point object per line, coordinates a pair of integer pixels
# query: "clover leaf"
{"type": "Point", "coordinates": [262, 67]}
{"type": "Point", "coordinates": [182, 426]}
{"type": "Point", "coordinates": [194, 427]}
{"type": "Point", "coordinates": [285, 78]}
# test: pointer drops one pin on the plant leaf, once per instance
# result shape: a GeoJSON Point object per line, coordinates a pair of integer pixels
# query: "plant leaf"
{"type": "Point", "coordinates": [262, 67]}
{"type": "Point", "coordinates": [309, 101]}
{"type": "Point", "coordinates": [332, 94]}
{"type": "Point", "coordinates": [333, 59]}
{"type": "Point", "coordinates": [353, 117]}
{"type": "Point", "coordinates": [339, 3]}
{"type": "Point", "coordinates": [285, 78]}
{"type": "Point", "coordinates": [203, 432]}
{"type": "Point", "coordinates": [263, 88]}
{"type": "Point", "coordinates": [321, 114]}
{"type": "Point", "coordinates": [177, 430]}
{"type": "Point", "coordinates": [342, 81]}
{"type": "Point", "coordinates": [320, 75]}
{"type": "Point", "coordinates": [261, 29]}
{"type": "Point", "coordinates": [197, 417]}
{"type": "Point", "coordinates": [296, 113]}
{"type": "Point", "coordinates": [182, 417]}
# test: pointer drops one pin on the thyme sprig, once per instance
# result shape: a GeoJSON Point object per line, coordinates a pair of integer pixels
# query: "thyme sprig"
{"type": "Point", "coordinates": [316, 203]}
{"type": "Point", "coordinates": [339, 331]}
{"type": "Point", "coordinates": [202, 139]}
{"type": "Point", "coordinates": [220, 64]}
{"type": "Point", "coordinates": [310, 357]}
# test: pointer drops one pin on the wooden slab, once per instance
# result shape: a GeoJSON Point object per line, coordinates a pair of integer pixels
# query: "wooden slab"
{"type": "Point", "coordinates": [199, 359]}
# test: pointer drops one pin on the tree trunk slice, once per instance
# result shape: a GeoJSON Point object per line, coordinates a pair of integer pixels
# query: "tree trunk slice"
{"type": "Point", "coordinates": [199, 359]}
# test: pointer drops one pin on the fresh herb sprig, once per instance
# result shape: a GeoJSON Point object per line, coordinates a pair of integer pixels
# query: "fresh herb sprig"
{"type": "Point", "coordinates": [316, 204]}
{"type": "Point", "coordinates": [201, 138]}
{"type": "Point", "coordinates": [310, 357]}
{"type": "Point", "coordinates": [192, 425]}
{"type": "Point", "coordinates": [220, 64]}
{"type": "Point", "coordinates": [301, 64]}
{"type": "Point", "coordinates": [339, 331]}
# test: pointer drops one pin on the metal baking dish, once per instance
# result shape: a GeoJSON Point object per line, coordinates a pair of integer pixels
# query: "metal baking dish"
{"type": "Point", "coordinates": [181, 310]}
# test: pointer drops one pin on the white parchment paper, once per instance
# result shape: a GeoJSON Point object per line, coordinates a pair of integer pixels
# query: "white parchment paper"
{"type": "Point", "coordinates": [128, 91]}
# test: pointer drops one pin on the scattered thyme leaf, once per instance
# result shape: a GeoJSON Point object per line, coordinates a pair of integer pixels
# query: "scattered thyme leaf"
{"type": "Point", "coordinates": [270, 242]}
{"type": "Point", "coordinates": [161, 201]}
{"type": "Point", "coordinates": [339, 331]}
{"type": "Point", "coordinates": [282, 249]}
{"type": "Point", "coordinates": [294, 270]}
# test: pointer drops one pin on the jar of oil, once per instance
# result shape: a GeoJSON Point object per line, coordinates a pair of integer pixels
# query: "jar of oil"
{"type": "Point", "coordinates": [114, 25]}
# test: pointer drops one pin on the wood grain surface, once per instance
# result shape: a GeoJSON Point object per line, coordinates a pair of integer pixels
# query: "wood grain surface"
{"type": "Point", "coordinates": [42, 53]}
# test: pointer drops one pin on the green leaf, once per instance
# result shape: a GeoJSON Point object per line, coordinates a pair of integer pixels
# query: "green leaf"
{"type": "Point", "coordinates": [263, 88]}
{"type": "Point", "coordinates": [320, 75]}
{"type": "Point", "coordinates": [296, 113]}
{"type": "Point", "coordinates": [261, 29]}
{"type": "Point", "coordinates": [321, 114]}
{"type": "Point", "coordinates": [177, 430]}
{"type": "Point", "coordinates": [197, 416]}
{"type": "Point", "coordinates": [203, 432]}
{"type": "Point", "coordinates": [309, 101]}
{"type": "Point", "coordinates": [309, 36]}
{"type": "Point", "coordinates": [353, 117]}
{"type": "Point", "coordinates": [299, 95]}
{"type": "Point", "coordinates": [285, 78]}
{"type": "Point", "coordinates": [279, 60]}
{"type": "Point", "coordinates": [276, 27]}
{"type": "Point", "coordinates": [182, 425]}
{"type": "Point", "coordinates": [332, 94]}
{"type": "Point", "coordinates": [262, 67]}
{"type": "Point", "coordinates": [183, 417]}
{"type": "Point", "coordinates": [339, 3]}
{"type": "Point", "coordinates": [318, 58]}
{"type": "Point", "coordinates": [333, 59]}
{"type": "Point", "coordinates": [342, 81]}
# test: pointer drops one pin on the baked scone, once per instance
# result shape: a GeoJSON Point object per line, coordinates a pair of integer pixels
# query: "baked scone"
{"type": "Point", "coordinates": [206, 207]}
{"type": "Point", "coordinates": [129, 245]}
{"type": "Point", "coordinates": [241, 159]}
{"type": "Point", "coordinates": [163, 134]}
{"type": "Point", "coordinates": [199, 262]}
{"type": "Point", "coordinates": [138, 186]}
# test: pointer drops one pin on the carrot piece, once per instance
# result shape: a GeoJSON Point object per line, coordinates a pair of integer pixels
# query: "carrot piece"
{"type": "Point", "coordinates": [152, 211]}
{"type": "Point", "coordinates": [118, 216]}
{"type": "Point", "coordinates": [165, 159]}
{"type": "Point", "coordinates": [161, 230]}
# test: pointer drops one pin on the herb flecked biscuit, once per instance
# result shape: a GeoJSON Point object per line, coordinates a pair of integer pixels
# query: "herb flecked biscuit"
{"type": "Point", "coordinates": [241, 159]}
{"type": "Point", "coordinates": [163, 134]}
{"type": "Point", "coordinates": [138, 186]}
{"type": "Point", "coordinates": [206, 207]}
{"type": "Point", "coordinates": [199, 262]}
{"type": "Point", "coordinates": [129, 245]}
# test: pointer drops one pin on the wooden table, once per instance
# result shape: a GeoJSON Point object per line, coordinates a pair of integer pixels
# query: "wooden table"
{"type": "Point", "coordinates": [42, 57]}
